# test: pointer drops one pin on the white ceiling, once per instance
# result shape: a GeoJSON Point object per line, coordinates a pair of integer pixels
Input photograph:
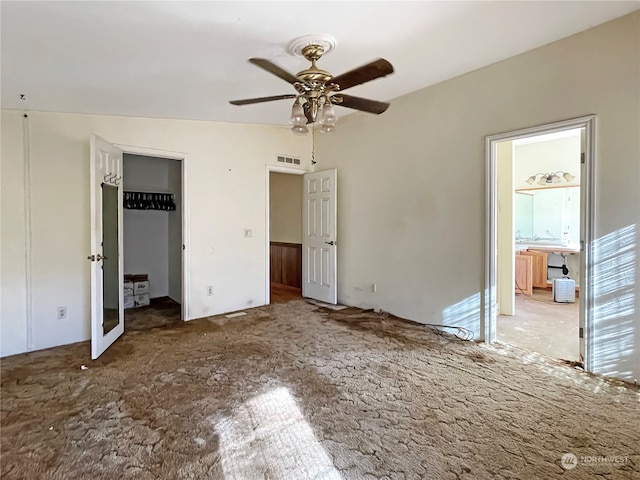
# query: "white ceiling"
{"type": "Point", "coordinates": [187, 59]}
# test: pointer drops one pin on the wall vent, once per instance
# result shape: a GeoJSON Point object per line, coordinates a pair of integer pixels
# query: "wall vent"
{"type": "Point", "coordinates": [291, 160]}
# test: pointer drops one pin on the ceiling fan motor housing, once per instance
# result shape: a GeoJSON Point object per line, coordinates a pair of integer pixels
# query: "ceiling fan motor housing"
{"type": "Point", "coordinates": [313, 74]}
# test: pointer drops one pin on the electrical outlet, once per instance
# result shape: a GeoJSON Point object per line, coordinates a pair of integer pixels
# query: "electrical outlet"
{"type": "Point", "coordinates": [209, 291]}
{"type": "Point", "coordinates": [374, 288]}
{"type": "Point", "coordinates": [248, 233]}
{"type": "Point", "coordinates": [62, 312]}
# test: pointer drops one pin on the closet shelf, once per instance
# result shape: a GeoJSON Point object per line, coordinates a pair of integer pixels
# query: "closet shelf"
{"type": "Point", "coordinates": [149, 201]}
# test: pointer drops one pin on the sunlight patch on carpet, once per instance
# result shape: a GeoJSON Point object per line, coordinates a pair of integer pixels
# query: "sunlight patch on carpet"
{"type": "Point", "coordinates": [268, 437]}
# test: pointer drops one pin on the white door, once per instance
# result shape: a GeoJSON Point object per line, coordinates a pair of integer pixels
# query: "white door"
{"type": "Point", "coordinates": [107, 312]}
{"type": "Point", "coordinates": [319, 267]}
{"type": "Point", "coordinates": [585, 225]}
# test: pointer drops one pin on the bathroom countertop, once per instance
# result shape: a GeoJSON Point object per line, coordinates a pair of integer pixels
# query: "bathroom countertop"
{"type": "Point", "coordinates": [550, 248]}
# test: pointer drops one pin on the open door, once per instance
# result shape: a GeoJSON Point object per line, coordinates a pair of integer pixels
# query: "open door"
{"type": "Point", "coordinates": [107, 310]}
{"type": "Point", "coordinates": [585, 257]}
{"type": "Point", "coordinates": [319, 260]}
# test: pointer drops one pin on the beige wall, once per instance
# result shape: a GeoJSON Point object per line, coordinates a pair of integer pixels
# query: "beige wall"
{"type": "Point", "coordinates": [285, 205]}
{"type": "Point", "coordinates": [411, 214]}
{"type": "Point", "coordinates": [226, 194]}
{"type": "Point", "coordinates": [13, 235]}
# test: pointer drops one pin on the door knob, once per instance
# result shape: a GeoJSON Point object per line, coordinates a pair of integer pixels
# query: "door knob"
{"type": "Point", "coordinates": [100, 257]}
{"type": "Point", "coordinates": [92, 258]}
{"type": "Point", "coordinates": [330, 243]}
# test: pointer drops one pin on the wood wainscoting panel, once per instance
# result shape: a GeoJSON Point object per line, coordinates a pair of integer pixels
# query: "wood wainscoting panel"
{"type": "Point", "coordinates": [286, 263]}
{"type": "Point", "coordinates": [276, 263]}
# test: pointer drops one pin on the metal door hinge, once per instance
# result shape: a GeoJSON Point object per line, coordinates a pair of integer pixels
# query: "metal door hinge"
{"type": "Point", "coordinates": [581, 333]}
{"type": "Point", "coordinates": [582, 157]}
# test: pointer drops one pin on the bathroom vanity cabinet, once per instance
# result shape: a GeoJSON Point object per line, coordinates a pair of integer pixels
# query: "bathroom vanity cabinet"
{"type": "Point", "coordinates": [538, 267]}
{"type": "Point", "coordinates": [541, 257]}
{"type": "Point", "coordinates": [524, 275]}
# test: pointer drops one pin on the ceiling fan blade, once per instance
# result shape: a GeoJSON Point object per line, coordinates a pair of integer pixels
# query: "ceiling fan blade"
{"type": "Point", "coordinates": [370, 71]}
{"type": "Point", "coordinates": [364, 104]}
{"type": "Point", "coordinates": [274, 69]}
{"type": "Point", "coordinates": [249, 101]}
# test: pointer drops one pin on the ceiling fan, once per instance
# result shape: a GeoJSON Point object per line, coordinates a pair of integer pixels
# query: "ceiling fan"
{"type": "Point", "coordinates": [318, 90]}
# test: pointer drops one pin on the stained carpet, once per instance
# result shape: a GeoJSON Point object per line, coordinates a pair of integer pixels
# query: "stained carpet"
{"type": "Point", "coordinates": [291, 391]}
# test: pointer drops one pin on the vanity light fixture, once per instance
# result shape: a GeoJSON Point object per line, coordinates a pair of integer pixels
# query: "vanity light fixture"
{"type": "Point", "coordinates": [550, 178]}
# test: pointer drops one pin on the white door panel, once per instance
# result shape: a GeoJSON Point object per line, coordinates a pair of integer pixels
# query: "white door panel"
{"type": "Point", "coordinates": [107, 310]}
{"type": "Point", "coordinates": [319, 261]}
{"type": "Point", "coordinates": [311, 217]}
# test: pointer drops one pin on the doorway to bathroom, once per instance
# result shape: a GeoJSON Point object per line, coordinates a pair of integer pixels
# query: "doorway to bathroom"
{"type": "Point", "coordinates": [541, 182]}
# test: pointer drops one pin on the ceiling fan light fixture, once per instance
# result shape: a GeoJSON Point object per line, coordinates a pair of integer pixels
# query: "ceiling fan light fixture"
{"type": "Point", "coordinates": [327, 128]}
{"type": "Point", "coordinates": [328, 116]}
{"type": "Point", "coordinates": [300, 129]}
{"type": "Point", "coordinates": [297, 115]}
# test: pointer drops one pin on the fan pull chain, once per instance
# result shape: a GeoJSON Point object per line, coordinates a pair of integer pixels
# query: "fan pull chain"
{"type": "Point", "coordinates": [313, 144]}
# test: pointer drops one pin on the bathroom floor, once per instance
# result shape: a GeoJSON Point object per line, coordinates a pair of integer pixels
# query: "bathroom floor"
{"type": "Point", "coordinates": [543, 326]}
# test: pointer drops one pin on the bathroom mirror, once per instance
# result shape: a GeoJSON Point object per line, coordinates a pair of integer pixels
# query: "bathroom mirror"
{"type": "Point", "coordinates": [550, 215]}
{"type": "Point", "coordinates": [523, 206]}
{"type": "Point", "coordinates": [110, 264]}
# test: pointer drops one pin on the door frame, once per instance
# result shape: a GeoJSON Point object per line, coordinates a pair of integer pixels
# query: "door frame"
{"type": "Point", "coordinates": [267, 231]}
{"type": "Point", "coordinates": [186, 234]}
{"type": "Point", "coordinates": [587, 223]}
